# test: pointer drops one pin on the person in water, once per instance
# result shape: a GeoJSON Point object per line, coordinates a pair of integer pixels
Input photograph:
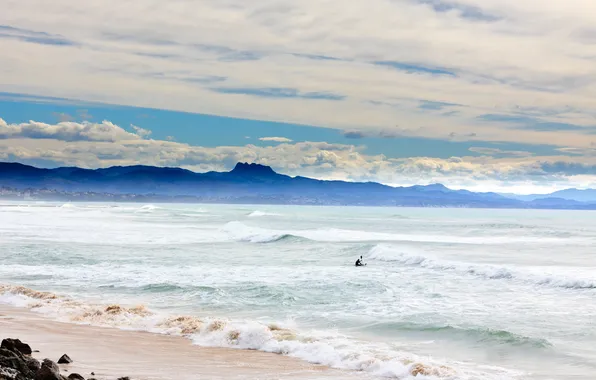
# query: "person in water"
{"type": "Point", "coordinates": [359, 262]}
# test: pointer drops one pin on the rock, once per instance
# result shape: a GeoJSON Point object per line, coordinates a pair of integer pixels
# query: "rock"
{"type": "Point", "coordinates": [33, 364]}
{"type": "Point", "coordinates": [16, 345]}
{"type": "Point", "coordinates": [64, 359]}
{"type": "Point", "coordinates": [124, 378]}
{"type": "Point", "coordinates": [48, 371]}
{"type": "Point", "coordinates": [15, 361]}
{"type": "Point", "coordinates": [75, 376]}
{"type": "Point", "coordinates": [11, 374]}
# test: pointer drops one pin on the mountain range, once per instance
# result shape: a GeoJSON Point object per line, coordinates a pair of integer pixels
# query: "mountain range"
{"type": "Point", "coordinates": [587, 195]}
{"type": "Point", "coordinates": [251, 183]}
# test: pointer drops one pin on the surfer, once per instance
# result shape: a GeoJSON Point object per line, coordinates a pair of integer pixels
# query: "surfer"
{"type": "Point", "coordinates": [359, 262]}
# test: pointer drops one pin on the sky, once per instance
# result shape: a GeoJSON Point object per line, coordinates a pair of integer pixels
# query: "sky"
{"type": "Point", "coordinates": [487, 95]}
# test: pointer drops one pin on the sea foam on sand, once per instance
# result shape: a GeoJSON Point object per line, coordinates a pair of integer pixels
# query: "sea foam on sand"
{"type": "Point", "coordinates": [208, 332]}
{"type": "Point", "coordinates": [112, 353]}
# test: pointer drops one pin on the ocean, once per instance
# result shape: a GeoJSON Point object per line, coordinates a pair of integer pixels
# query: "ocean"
{"type": "Point", "coordinates": [446, 293]}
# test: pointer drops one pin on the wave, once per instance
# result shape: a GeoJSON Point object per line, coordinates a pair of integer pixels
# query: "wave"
{"type": "Point", "coordinates": [326, 348]}
{"type": "Point", "coordinates": [146, 209]}
{"type": "Point", "coordinates": [256, 214]}
{"type": "Point", "coordinates": [387, 253]}
{"type": "Point", "coordinates": [475, 333]}
{"type": "Point", "coordinates": [160, 288]}
{"type": "Point", "coordinates": [243, 232]}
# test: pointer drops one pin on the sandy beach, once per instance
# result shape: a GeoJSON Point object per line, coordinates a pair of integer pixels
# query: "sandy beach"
{"type": "Point", "coordinates": [111, 353]}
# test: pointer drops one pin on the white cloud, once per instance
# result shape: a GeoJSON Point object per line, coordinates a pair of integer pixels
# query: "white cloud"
{"type": "Point", "coordinates": [499, 152]}
{"type": "Point", "coordinates": [67, 131]}
{"type": "Point", "coordinates": [276, 139]}
{"type": "Point", "coordinates": [508, 57]}
{"type": "Point", "coordinates": [316, 159]}
{"type": "Point", "coordinates": [143, 133]}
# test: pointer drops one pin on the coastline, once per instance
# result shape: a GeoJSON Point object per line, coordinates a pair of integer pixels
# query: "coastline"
{"type": "Point", "coordinates": [112, 353]}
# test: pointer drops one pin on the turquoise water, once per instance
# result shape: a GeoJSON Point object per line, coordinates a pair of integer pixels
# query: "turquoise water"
{"type": "Point", "coordinates": [470, 294]}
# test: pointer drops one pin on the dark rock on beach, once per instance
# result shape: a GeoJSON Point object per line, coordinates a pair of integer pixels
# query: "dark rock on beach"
{"type": "Point", "coordinates": [48, 371]}
{"type": "Point", "coordinates": [33, 364]}
{"type": "Point", "coordinates": [13, 365]}
{"type": "Point", "coordinates": [64, 359]}
{"type": "Point", "coordinates": [16, 363]}
{"type": "Point", "coordinates": [15, 345]}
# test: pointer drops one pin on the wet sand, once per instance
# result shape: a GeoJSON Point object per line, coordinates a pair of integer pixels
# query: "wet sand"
{"type": "Point", "coordinates": [112, 353]}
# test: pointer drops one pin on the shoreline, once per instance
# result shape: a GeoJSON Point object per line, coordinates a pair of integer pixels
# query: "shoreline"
{"type": "Point", "coordinates": [112, 353]}
{"type": "Point", "coordinates": [589, 207]}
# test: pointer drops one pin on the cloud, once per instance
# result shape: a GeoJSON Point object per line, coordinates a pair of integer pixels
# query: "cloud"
{"type": "Point", "coordinates": [276, 139]}
{"type": "Point", "coordinates": [69, 131]}
{"type": "Point", "coordinates": [143, 133]}
{"type": "Point", "coordinates": [492, 57]}
{"type": "Point", "coordinates": [587, 152]}
{"type": "Point", "coordinates": [106, 144]}
{"type": "Point", "coordinates": [499, 152]}
{"type": "Point", "coordinates": [536, 124]}
{"type": "Point", "coordinates": [569, 168]}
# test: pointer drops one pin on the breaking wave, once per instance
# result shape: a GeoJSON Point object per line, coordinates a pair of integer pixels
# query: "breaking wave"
{"type": "Point", "coordinates": [388, 253]}
{"type": "Point", "coordinates": [256, 214]}
{"type": "Point", "coordinates": [326, 348]}
{"type": "Point", "coordinates": [147, 209]}
{"type": "Point", "coordinates": [243, 232]}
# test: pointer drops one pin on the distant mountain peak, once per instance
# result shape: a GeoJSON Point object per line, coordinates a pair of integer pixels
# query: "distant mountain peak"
{"type": "Point", "coordinates": [244, 168]}
{"type": "Point", "coordinates": [437, 186]}
{"type": "Point", "coordinates": [432, 187]}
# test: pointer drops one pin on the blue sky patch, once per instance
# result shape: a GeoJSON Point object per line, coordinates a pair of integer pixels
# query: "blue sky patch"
{"type": "Point", "coordinates": [413, 69]}
{"type": "Point", "coordinates": [278, 92]}
{"type": "Point", "coordinates": [435, 106]}
{"type": "Point", "coordinates": [464, 11]}
{"type": "Point", "coordinates": [533, 123]}
{"type": "Point", "coordinates": [32, 36]}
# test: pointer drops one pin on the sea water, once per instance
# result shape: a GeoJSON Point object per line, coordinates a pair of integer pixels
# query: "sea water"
{"type": "Point", "coordinates": [446, 293]}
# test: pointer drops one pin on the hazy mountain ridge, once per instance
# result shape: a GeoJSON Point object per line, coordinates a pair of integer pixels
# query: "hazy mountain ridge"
{"type": "Point", "coordinates": [246, 183]}
{"type": "Point", "coordinates": [586, 195]}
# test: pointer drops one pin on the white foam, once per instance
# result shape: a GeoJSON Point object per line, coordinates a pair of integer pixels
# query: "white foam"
{"type": "Point", "coordinates": [147, 209]}
{"type": "Point", "coordinates": [256, 214]}
{"type": "Point", "coordinates": [327, 348]}
{"type": "Point", "coordinates": [383, 252]}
